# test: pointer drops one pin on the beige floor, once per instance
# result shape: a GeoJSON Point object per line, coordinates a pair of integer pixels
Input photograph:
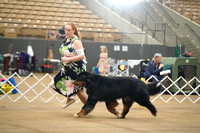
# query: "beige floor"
{"type": "Point", "coordinates": [40, 117]}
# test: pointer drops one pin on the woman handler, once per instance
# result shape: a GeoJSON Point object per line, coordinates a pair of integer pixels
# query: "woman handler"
{"type": "Point", "coordinates": [72, 52]}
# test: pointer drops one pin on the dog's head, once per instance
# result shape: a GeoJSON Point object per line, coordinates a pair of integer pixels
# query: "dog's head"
{"type": "Point", "coordinates": [82, 79]}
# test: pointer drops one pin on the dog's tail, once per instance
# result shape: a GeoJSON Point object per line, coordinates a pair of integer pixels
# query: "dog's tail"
{"type": "Point", "coordinates": [154, 88]}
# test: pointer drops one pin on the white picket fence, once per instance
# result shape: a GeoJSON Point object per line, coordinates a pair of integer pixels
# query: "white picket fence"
{"type": "Point", "coordinates": [35, 86]}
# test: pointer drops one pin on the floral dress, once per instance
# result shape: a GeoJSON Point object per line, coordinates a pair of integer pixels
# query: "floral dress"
{"type": "Point", "coordinates": [63, 81]}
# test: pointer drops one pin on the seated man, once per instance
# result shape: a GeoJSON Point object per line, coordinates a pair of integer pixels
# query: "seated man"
{"type": "Point", "coordinates": [154, 68]}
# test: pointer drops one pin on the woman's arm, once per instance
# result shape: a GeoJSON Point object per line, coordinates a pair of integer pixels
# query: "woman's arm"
{"type": "Point", "coordinates": [154, 70]}
{"type": "Point", "coordinates": [78, 46]}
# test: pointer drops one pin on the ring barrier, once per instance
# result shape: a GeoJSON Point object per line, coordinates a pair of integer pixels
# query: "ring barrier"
{"type": "Point", "coordinates": [36, 86]}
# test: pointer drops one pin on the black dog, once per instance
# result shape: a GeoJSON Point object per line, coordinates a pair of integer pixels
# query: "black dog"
{"type": "Point", "coordinates": [109, 89]}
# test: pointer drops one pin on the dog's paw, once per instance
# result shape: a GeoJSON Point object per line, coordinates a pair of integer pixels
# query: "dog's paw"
{"type": "Point", "coordinates": [154, 114]}
{"type": "Point", "coordinates": [119, 116]}
{"type": "Point", "coordinates": [159, 84]}
{"type": "Point", "coordinates": [76, 116]}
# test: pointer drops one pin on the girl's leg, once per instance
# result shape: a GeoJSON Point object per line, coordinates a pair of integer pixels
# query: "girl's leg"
{"type": "Point", "coordinates": [82, 96]}
{"type": "Point", "coordinates": [102, 74]}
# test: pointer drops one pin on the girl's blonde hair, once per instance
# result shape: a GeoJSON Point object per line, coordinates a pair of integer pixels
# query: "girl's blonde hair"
{"type": "Point", "coordinates": [104, 49]}
{"type": "Point", "coordinates": [72, 24]}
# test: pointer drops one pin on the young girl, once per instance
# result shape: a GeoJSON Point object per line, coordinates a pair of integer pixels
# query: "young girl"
{"type": "Point", "coordinates": [103, 61]}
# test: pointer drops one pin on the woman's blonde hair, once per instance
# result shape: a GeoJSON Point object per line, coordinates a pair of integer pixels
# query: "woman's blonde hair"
{"type": "Point", "coordinates": [72, 24]}
{"type": "Point", "coordinates": [104, 49]}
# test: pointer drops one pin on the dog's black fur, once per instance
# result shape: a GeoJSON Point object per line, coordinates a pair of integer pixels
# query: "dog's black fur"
{"type": "Point", "coordinates": [109, 89]}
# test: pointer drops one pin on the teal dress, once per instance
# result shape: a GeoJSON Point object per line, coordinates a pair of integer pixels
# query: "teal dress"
{"type": "Point", "coordinates": [63, 81]}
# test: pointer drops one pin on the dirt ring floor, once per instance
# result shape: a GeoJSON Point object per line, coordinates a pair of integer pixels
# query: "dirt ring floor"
{"type": "Point", "coordinates": [40, 117]}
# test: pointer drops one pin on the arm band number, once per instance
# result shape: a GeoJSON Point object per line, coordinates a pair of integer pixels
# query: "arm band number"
{"type": "Point", "coordinates": [80, 52]}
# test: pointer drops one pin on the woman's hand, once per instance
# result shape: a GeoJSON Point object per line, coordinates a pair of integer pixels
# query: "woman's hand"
{"type": "Point", "coordinates": [68, 54]}
{"type": "Point", "coordinates": [161, 66]}
{"type": "Point", "coordinates": [65, 59]}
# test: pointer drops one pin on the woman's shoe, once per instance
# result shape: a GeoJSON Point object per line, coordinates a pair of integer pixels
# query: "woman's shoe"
{"type": "Point", "coordinates": [69, 102]}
